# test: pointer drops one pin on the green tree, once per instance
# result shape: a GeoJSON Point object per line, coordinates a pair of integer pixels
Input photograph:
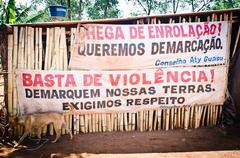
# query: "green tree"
{"type": "Point", "coordinates": [103, 9]}
{"type": "Point", "coordinates": [151, 6]}
{"type": "Point", "coordinates": [28, 14]}
{"type": "Point", "coordinates": [7, 12]}
{"type": "Point", "coordinates": [198, 5]}
{"type": "Point", "coordinates": [226, 4]}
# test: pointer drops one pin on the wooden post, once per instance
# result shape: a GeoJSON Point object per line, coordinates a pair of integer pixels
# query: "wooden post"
{"type": "Point", "coordinates": [167, 118]}
{"type": "Point", "coordinates": [15, 55]}
{"type": "Point", "coordinates": [155, 119]}
{"type": "Point", "coordinates": [40, 48]}
{"type": "Point", "coordinates": [25, 63]}
{"type": "Point", "coordinates": [21, 48]}
{"type": "Point", "coordinates": [171, 118]}
{"type": "Point", "coordinates": [159, 118]}
{"type": "Point", "coordinates": [10, 74]}
{"type": "Point", "coordinates": [186, 118]}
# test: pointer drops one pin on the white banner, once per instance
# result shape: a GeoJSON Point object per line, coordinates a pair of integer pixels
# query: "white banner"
{"type": "Point", "coordinates": [120, 91]}
{"type": "Point", "coordinates": [120, 47]}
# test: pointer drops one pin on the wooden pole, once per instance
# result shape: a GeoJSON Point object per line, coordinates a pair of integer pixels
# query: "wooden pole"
{"type": "Point", "coordinates": [159, 118]}
{"type": "Point", "coordinates": [25, 49]}
{"type": "Point", "coordinates": [36, 49]}
{"type": "Point", "coordinates": [21, 48]}
{"type": "Point", "coordinates": [40, 48]}
{"type": "Point", "coordinates": [10, 74]}
{"type": "Point", "coordinates": [15, 57]}
{"type": "Point", "coordinates": [171, 118]}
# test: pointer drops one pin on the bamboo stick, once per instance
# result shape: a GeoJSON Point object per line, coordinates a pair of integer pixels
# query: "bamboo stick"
{"type": "Point", "coordinates": [186, 118]}
{"type": "Point", "coordinates": [73, 34]}
{"type": "Point", "coordinates": [179, 117]}
{"type": "Point", "coordinates": [121, 121]}
{"type": "Point", "coordinates": [99, 116]}
{"type": "Point", "coordinates": [76, 126]}
{"type": "Point", "coordinates": [82, 127]}
{"type": "Point", "coordinates": [51, 48]}
{"type": "Point", "coordinates": [15, 56]}
{"type": "Point", "coordinates": [155, 120]}
{"type": "Point", "coordinates": [171, 118]}
{"type": "Point", "coordinates": [33, 53]}
{"type": "Point", "coordinates": [29, 47]}
{"type": "Point", "coordinates": [51, 64]}
{"type": "Point", "coordinates": [182, 117]}
{"type": "Point", "coordinates": [140, 120]}
{"type": "Point", "coordinates": [40, 48]}
{"type": "Point", "coordinates": [164, 119]}
{"type": "Point", "coordinates": [89, 122]}
{"type": "Point", "coordinates": [145, 118]}
{"type": "Point", "coordinates": [125, 122]}
{"type": "Point", "coordinates": [25, 49]}
{"type": "Point", "coordinates": [208, 114]}
{"type": "Point", "coordinates": [47, 49]}
{"type": "Point", "coordinates": [15, 64]}
{"type": "Point", "coordinates": [112, 121]}
{"type": "Point", "coordinates": [213, 114]}
{"type": "Point", "coordinates": [103, 122]}
{"type": "Point", "coordinates": [58, 47]}
{"type": "Point", "coordinates": [150, 120]}
{"type": "Point", "coordinates": [129, 115]}
{"type": "Point", "coordinates": [167, 118]}
{"type": "Point", "coordinates": [86, 123]}
{"type": "Point", "coordinates": [44, 129]}
{"type": "Point", "coordinates": [175, 118]}
{"type": "Point", "coordinates": [54, 49]}
{"type": "Point", "coordinates": [225, 17]}
{"type": "Point", "coordinates": [97, 123]}
{"type": "Point", "coordinates": [159, 118]}
{"type": "Point", "coordinates": [133, 121]}
{"type": "Point", "coordinates": [21, 48]}
{"type": "Point", "coordinates": [191, 121]}
{"type": "Point", "coordinates": [57, 61]}
{"type": "Point", "coordinates": [196, 112]}
{"type": "Point", "coordinates": [200, 114]}
{"type": "Point", "coordinates": [36, 48]}
{"type": "Point", "coordinates": [10, 74]}
{"type": "Point", "coordinates": [204, 114]}
{"type": "Point", "coordinates": [213, 17]}
{"type": "Point", "coordinates": [94, 122]}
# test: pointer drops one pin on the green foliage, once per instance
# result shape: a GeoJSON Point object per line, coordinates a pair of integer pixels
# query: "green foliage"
{"type": "Point", "coordinates": [28, 14]}
{"type": "Point", "coordinates": [226, 4]}
{"type": "Point", "coordinates": [150, 6]}
{"type": "Point", "coordinates": [11, 12]}
{"type": "Point", "coordinates": [103, 9]}
{"type": "Point", "coordinates": [7, 12]}
{"type": "Point", "coordinates": [197, 5]}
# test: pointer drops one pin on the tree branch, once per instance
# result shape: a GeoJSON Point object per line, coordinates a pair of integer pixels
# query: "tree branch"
{"type": "Point", "coordinates": [204, 5]}
{"type": "Point", "coordinates": [142, 6]}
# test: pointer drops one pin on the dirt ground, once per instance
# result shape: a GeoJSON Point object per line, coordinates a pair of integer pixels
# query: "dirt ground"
{"type": "Point", "coordinates": [202, 139]}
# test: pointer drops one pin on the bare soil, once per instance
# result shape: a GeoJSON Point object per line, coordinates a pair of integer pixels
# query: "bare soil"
{"type": "Point", "coordinates": [180, 140]}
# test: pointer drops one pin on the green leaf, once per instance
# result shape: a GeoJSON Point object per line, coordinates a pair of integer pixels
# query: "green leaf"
{"type": "Point", "coordinates": [23, 13]}
{"type": "Point", "coordinates": [11, 11]}
{"type": "Point", "coordinates": [35, 17]}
